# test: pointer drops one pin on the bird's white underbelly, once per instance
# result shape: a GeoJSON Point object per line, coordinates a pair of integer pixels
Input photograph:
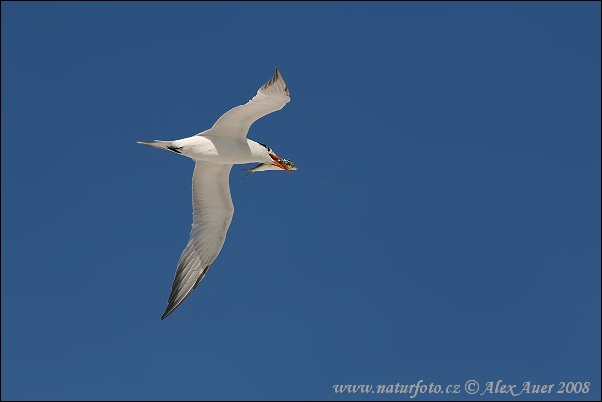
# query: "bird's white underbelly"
{"type": "Point", "coordinates": [216, 150]}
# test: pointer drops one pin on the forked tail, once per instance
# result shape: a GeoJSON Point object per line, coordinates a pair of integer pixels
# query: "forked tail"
{"type": "Point", "coordinates": [167, 145]}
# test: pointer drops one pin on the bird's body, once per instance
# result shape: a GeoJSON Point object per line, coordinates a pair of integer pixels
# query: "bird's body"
{"type": "Point", "coordinates": [215, 151]}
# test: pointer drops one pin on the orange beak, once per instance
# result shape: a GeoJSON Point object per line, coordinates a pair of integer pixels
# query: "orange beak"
{"type": "Point", "coordinates": [280, 165]}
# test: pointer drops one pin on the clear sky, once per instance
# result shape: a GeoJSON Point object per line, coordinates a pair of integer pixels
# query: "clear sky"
{"type": "Point", "coordinates": [443, 226]}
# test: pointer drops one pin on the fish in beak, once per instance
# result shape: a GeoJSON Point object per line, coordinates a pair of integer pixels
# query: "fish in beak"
{"type": "Point", "coordinates": [277, 164]}
{"type": "Point", "coordinates": [283, 163]}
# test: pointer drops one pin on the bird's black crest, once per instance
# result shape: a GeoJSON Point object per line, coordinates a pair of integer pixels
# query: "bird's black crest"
{"type": "Point", "coordinates": [265, 146]}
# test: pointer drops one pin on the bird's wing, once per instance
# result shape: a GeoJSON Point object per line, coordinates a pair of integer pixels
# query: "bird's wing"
{"type": "Point", "coordinates": [270, 98]}
{"type": "Point", "coordinates": [212, 211]}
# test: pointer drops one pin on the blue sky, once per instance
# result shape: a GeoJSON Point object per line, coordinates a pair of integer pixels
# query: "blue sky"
{"type": "Point", "coordinates": [444, 223]}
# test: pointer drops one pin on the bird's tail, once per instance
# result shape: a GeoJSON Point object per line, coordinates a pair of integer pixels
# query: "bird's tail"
{"type": "Point", "coordinates": [167, 145]}
{"type": "Point", "coordinates": [156, 144]}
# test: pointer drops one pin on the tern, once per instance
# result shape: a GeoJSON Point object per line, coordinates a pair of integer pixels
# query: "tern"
{"type": "Point", "coordinates": [214, 152]}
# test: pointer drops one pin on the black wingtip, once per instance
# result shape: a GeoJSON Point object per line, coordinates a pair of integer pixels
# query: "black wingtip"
{"type": "Point", "coordinates": [170, 309]}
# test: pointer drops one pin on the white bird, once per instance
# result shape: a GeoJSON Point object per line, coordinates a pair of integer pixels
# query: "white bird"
{"type": "Point", "coordinates": [215, 151]}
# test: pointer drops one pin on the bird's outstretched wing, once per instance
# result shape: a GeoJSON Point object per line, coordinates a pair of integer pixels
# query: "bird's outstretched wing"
{"type": "Point", "coordinates": [235, 123]}
{"type": "Point", "coordinates": [212, 211]}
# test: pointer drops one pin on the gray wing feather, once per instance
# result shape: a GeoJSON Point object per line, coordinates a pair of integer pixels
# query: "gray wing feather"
{"type": "Point", "coordinates": [271, 97]}
{"type": "Point", "coordinates": [212, 211]}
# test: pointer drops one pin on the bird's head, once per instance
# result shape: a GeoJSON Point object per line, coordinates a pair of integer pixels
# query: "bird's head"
{"type": "Point", "coordinates": [275, 163]}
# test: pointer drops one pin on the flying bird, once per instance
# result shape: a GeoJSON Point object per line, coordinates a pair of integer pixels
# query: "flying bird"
{"type": "Point", "coordinates": [214, 152]}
